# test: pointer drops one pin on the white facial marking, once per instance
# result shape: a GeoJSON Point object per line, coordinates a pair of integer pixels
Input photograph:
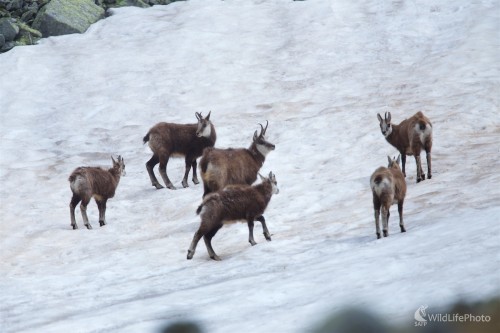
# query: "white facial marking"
{"type": "Point", "coordinates": [263, 149]}
{"type": "Point", "coordinates": [276, 190]}
{"type": "Point", "coordinates": [207, 131]}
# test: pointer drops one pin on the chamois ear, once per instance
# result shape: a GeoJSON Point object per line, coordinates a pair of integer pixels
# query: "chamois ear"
{"type": "Point", "coordinates": [262, 178]}
{"type": "Point", "coordinates": [271, 176]}
{"type": "Point", "coordinates": [112, 159]}
{"type": "Point", "coordinates": [208, 117]}
{"type": "Point", "coordinates": [399, 159]}
{"type": "Point", "coordinates": [389, 159]}
{"type": "Point", "coordinates": [379, 117]}
{"type": "Point", "coordinates": [255, 136]}
{"type": "Point", "coordinates": [388, 118]}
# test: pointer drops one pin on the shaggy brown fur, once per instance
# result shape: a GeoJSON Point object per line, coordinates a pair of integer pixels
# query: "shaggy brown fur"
{"type": "Point", "coordinates": [410, 137]}
{"type": "Point", "coordinates": [189, 140]}
{"type": "Point", "coordinates": [221, 167]}
{"type": "Point", "coordinates": [234, 202]}
{"type": "Point", "coordinates": [388, 187]}
{"type": "Point", "coordinates": [88, 182]}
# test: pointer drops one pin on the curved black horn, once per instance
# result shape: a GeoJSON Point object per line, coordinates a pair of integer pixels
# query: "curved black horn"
{"type": "Point", "coordinates": [265, 129]}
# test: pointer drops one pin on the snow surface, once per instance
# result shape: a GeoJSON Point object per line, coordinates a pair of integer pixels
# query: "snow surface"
{"type": "Point", "coordinates": [319, 71]}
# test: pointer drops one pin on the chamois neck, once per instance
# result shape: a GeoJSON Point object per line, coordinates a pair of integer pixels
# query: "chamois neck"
{"type": "Point", "coordinates": [266, 190]}
{"type": "Point", "coordinates": [116, 173]}
{"type": "Point", "coordinates": [256, 154]}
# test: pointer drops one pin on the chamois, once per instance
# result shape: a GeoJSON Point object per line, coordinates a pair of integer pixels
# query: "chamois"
{"type": "Point", "coordinates": [221, 167]}
{"type": "Point", "coordinates": [234, 202]}
{"type": "Point", "coordinates": [388, 187]}
{"type": "Point", "coordinates": [189, 140]}
{"type": "Point", "coordinates": [409, 138]}
{"type": "Point", "coordinates": [88, 182]}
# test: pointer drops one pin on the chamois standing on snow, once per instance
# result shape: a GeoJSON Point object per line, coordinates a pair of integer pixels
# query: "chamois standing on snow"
{"type": "Point", "coordinates": [221, 167]}
{"type": "Point", "coordinates": [388, 187]}
{"type": "Point", "coordinates": [189, 140]}
{"type": "Point", "coordinates": [234, 202]}
{"type": "Point", "coordinates": [88, 182]}
{"type": "Point", "coordinates": [409, 138]}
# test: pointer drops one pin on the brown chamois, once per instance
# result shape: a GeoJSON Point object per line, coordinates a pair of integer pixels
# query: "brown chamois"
{"type": "Point", "coordinates": [234, 202]}
{"type": "Point", "coordinates": [221, 167]}
{"type": "Point", "coordinates": [88, 182]}
{"type": "Point", "coordinates": [409, 138]}
{"type": "Point", "coordinates": [388, 187]}
{"type": "Point", "coordinates": [189, 140]}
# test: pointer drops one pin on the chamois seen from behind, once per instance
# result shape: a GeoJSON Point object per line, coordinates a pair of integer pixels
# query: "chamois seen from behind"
{"type": "Point", "coordinates": [221, 167]}
{"type": "Point", "coordinates": [188, 140]}
{"type": "Point", "coordinates": [410, 137]}
{"type": "Point", "coordinates": [388, 187]}
{"type": "Point", "coordinates": [94, 182]}
{"type": "Point", "coordinates": [234, 202]}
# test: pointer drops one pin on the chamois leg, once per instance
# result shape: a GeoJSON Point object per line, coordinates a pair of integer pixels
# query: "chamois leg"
{"type": "Point", "coordinates": [400, 211]}
{"type": "Point", "coordinates": [208, 243]}
{"type": "Point", "coordinates": [420, 172]}
{"type": "Point", "coordinates": [83, 208]}
{"type": "Point", "coordinates": [376, 209]}
{"type": "Point", "coordinates": [385, 220]}
{"type": "Point", "coordinates": [72, 205]}
{"type": "Point", "coordinates": [163, 172]}
{"type": "Point", "coordinates": [149, 166]}
{"type": "Point", "coordinates": [188, 161]}
{"type": "Point", "coordinates": [250, 232]}
{"type": "Point", "coordinates": [429, 168]}
{"type": "Point", "coordinates": [403, 162]}
{"type": "Point", "coordinates": [101, 205]}
{"type": "Point", "coordinates": [194, 166]}
{"type": "Point", "coordinates": [262, 220]}
{"type": "Point", "coordinates": [192, 248]}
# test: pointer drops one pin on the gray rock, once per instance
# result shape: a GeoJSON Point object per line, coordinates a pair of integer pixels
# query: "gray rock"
{"type": "Point", "coordinates": [135, 3]}
{"type": "Point", "coordinates": [2, 41]}
{"type": "Point", "coordinates": [7, 46]}
{"type": "Point", "coordinates": [8, 29]}
{"type": "Point", "coordinates": [61, 17]}
{"type": "Point", "coordinates": [12, 4]}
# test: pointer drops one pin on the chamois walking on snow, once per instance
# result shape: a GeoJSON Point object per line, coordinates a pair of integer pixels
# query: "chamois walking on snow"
{"type": "Point", "coordinates": [234, 202]}
{"type": "Point", "coordinates": [88, 182]}
{"type": "Point", "coordinates": [388, 187]}
{"type": "Point", "coordinates": [409, 138]}
{"type": "Point", "coordinates": [189, 140]}
{"type": "Point", "coordinates": [221, 167]}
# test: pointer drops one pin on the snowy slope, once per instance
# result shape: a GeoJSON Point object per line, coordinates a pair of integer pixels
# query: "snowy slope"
{"type": "Point", "coordinates": [319, 71]}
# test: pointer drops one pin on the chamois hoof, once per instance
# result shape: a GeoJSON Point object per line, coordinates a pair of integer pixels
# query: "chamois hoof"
{"type": "Point", "coordinates": [89, 226]}
{"type": "Point", "coordinates": [171, 186]}
{"type": "Point", "coordinates": [419, 180]}
{"type": "Point", "coordinates": [252, 242]}
{"type": "Point", "coordinates": [74, 227]}
{"type": "Point", "coordinates": [429, 176]}
{"type": "Point", "coordinates": [216, 258]}
{"type": "Point", "coordinates": [386, 233]}
{"type": "Point", "coordinates": [403, 229]}
{"type": "Point", "coordinates": [185, 184]}
{"type": "Point", "coordinates": [158, 186]}
{"type": "Point", "coordinates": [268, 237]}
{"type": "Point", "coordinates": [378, 235]}
{"type": "Point", "coordinates": [190, 255]}
{"type": "Point", "coordinates": [102, 223]}
{"type": "Point", "coordinates": [196, 181]}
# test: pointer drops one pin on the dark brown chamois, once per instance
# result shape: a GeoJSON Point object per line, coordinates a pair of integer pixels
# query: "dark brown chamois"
{"type": "Point", "coordinates": [88, 182]}
{"type": "Point", "coordinates": [189, 140]}
{"type": "Point", "coordinates": [388, 187]}
{"type": "Point", "coordinates": [409, 138]}
{"type": "Point", "coordinates": [233, 203]}
{"type": "Point", "coordinates": [221, 167]}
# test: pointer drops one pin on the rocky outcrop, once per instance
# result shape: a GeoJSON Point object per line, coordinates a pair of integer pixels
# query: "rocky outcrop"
{"type": "Point", "coordinates": [62, 17]}
{"type": "Point", "coordinates": [28, 20]}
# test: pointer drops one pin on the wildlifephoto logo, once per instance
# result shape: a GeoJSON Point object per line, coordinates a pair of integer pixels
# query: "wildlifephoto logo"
{"type": "Point", "coordinates": [422, 317]}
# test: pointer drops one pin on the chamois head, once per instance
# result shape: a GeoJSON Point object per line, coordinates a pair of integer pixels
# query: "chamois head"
{"type": "Point", "coordinates": [204, 129]}
{"type": "Point", "coordinates": [272, 180]}
{"type": "Point", "coordinates": [385, 124]}
{"type": "Point", "coordinates": [394, 163]}
{"type": "Point", "coordinates": [119, 165]}
{"type": "Point", "coordinates": [263, 146]}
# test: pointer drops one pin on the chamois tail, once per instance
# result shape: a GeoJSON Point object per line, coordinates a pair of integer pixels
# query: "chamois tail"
{"type": "Point", "coordinates": [146, 138]}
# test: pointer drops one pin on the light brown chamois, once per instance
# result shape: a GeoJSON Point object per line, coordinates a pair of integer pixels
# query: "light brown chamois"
{"type": "Point", "coordinates": [410, 137]}
{"type": "Point", "coordinates": [221, 167]}
{"type": "Point", "coordinates": [234, 202]}
{"type": "Point", "coordinates": [189, 140]}
{"type": "Point", "coordinates": [388, 187]}
{"type": "Point", "coordinates": [88, 182]}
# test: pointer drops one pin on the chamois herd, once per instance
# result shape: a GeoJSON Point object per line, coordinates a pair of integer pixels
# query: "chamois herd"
{"type": "Point", "coordinates": [228, 175]}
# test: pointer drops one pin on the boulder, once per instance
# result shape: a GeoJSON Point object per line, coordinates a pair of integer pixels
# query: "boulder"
{"type": "Point", "coordinates": [61, 17]}
{"type": "Point", "coordinates": [8, 29]}
{"type": "Point", "coordinates": [134, 3]}
{"type": "Point", "coordinates": [2, 41]}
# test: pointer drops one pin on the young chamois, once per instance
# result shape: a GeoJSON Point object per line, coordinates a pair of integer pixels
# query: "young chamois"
{"type": "Point", "coordinates": [234, 202]}
{"type": "Point", "coordinates": [88, 182]}
{"type": "Point", "coordinates": [388, 187]}
{"type": "Point", "coordinates": [221, 167]}
{"type": "Point", "coordinates": [189, 140]}
{"type": "Point", "coordinates": [409, 138]}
